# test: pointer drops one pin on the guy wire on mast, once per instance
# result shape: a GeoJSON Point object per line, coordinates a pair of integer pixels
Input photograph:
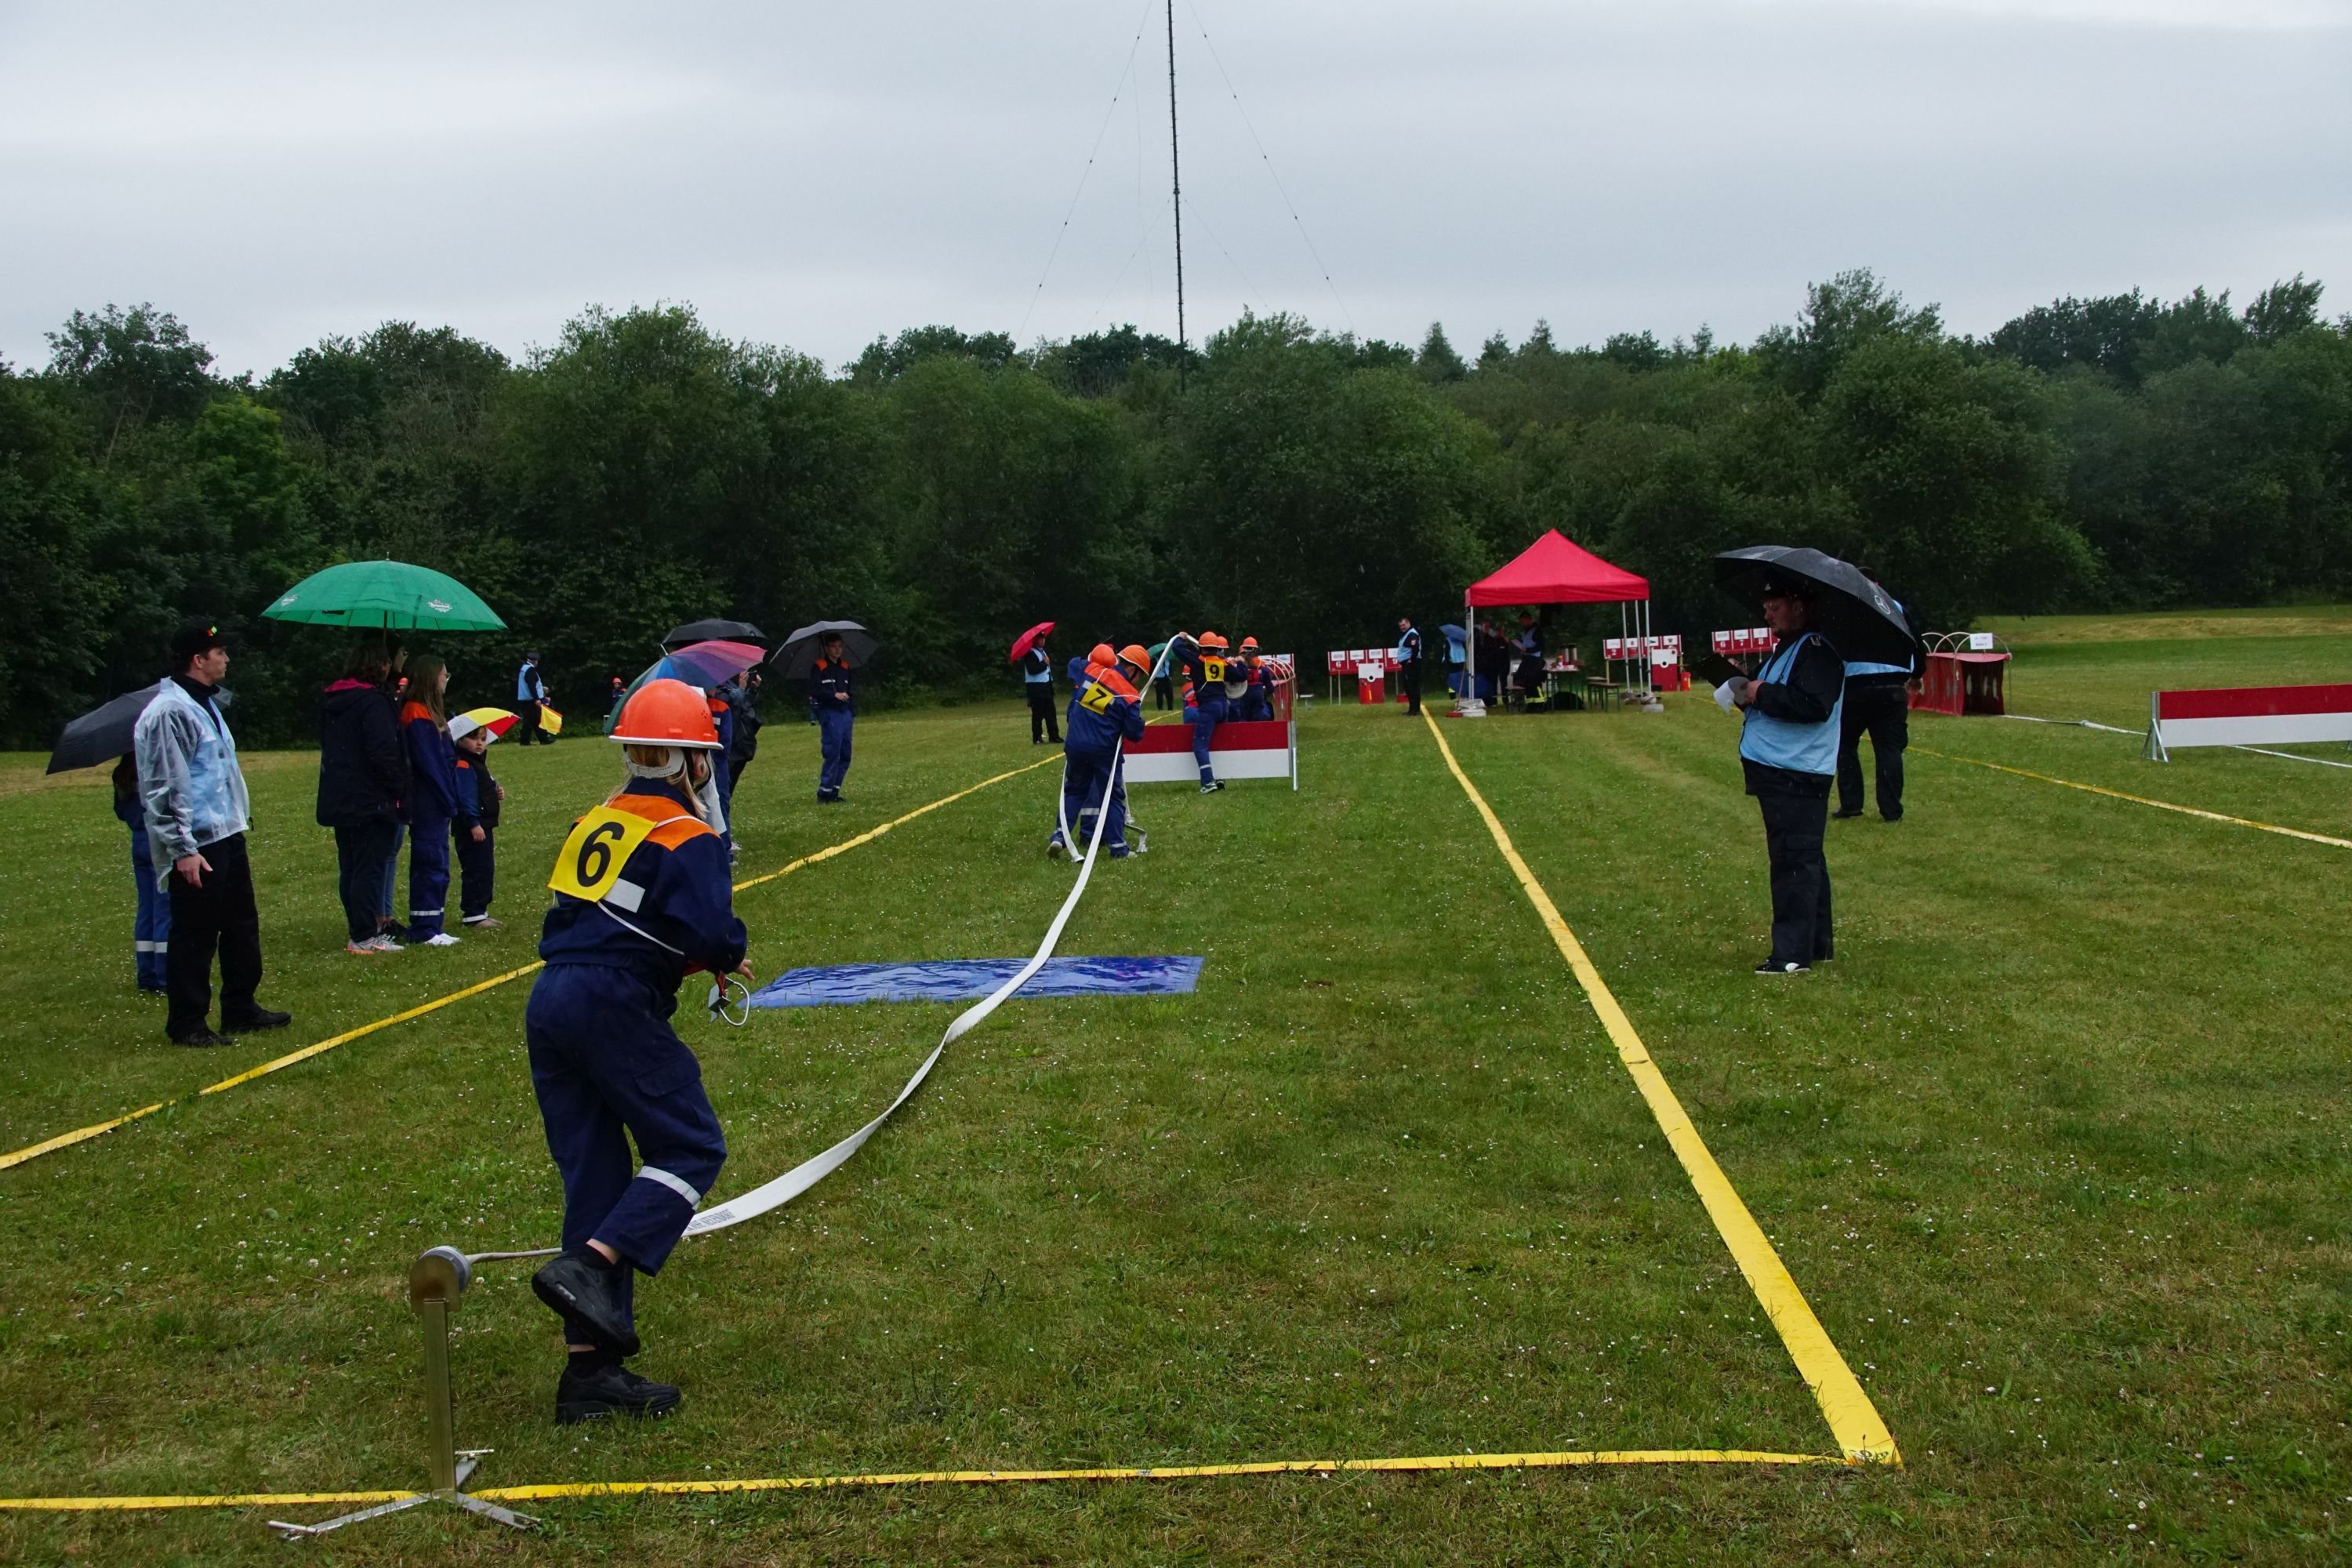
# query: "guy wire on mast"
{"type": "Point", "coordinates": [1176, 197]}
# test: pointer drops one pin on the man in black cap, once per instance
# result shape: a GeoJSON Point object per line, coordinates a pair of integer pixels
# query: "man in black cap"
{"type": "Point", "coordinates": [192, 794]}
{"type": "Point", "coordinates": [1787, 749]}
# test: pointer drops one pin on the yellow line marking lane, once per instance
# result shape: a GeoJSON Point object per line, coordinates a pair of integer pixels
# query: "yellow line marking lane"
{"type": "Point", "coordinates": [62, 1140]}
{"type": "Point", "coordinates": [2141, 799]}
{"type": "Point", "coordinates": [1854, 1420]}
{"type": "Point", "coordinates": [563, 1489]}
{"type": "Point", "coordinates": [278, 1064]}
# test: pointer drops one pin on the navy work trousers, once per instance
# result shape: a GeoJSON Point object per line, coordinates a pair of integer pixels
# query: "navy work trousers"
{"type": "Point", "coordinates": [608, 1068]}
{"type": "Point", "coordinates": [478, 864]}
{"type": "Point", "coordinates": [832, 739]}
{"type": "Point", "coordinates": [428, 874]}
{"type": "Point", "coordinates": [150, 933]}
{"type": "Point", "coordinates": [1794, 826]}
{"type": "Point", "coordinates": [1205, 721]}
{"type": "Point", "coordinates": [1085, 777]}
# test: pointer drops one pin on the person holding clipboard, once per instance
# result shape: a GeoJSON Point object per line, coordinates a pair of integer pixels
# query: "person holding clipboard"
{"type": "Point", "coordinates": [1789, 750]}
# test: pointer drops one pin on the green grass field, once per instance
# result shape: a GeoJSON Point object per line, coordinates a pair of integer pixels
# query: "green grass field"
{"type": "Point", "coordinates": [2056, 1151]}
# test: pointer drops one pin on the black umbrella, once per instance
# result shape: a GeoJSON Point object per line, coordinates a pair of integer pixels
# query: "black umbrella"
{"type": "Point", "coordinates": [799, 649]}
{"type": "Point", "coordinates": [1861, 619]}
{"type": "Point", "coordinates": [713, 631]}
{"type": "Point", "coordinates": [104, 733]}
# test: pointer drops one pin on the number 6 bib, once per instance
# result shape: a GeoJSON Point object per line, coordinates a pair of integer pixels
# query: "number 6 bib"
{"type": "Point", "coordinates": [589, 866]}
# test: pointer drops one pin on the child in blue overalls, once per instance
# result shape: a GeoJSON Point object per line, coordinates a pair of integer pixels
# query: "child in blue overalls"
{"type": "Point", "coordinates": [642, 899]}
{"type": "Point", "coordinates": [830, 705]}
{"type": "Point", "coordinates": [476, 826]}
{"type": "Point", "coordinates": [150, 933]}
{"type": "Point", "coordinates": [1105, 708]}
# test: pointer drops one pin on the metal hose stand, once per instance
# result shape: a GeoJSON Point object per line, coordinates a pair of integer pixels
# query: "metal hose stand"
{"type": "Point", "coordinates": [436, 1282]}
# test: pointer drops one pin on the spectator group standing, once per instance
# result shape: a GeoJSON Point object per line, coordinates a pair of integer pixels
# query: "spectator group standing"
{"type": "Point", "coordinates": [196, 813]}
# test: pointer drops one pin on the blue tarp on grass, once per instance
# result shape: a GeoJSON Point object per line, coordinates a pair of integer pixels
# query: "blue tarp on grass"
{"type": "Point", "coordinates": [970, 979]}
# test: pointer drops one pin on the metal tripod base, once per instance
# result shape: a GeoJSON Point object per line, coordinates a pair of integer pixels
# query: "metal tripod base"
{"type": "Point", "coordinates": [469, 1459]}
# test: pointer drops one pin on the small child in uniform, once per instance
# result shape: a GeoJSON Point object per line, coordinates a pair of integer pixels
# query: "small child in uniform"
{"type": "Point", "coordinates": [478, 796]}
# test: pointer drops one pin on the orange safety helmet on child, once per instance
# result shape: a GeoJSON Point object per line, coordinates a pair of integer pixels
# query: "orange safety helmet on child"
{"type": "Point", "coordinates": [1211, 640]}
{"type": "Point", "coordinates": [667, 713]}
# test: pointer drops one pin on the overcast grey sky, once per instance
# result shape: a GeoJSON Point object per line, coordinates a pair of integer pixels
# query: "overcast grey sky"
{"type": "Point", "coordinates": [817, 174]}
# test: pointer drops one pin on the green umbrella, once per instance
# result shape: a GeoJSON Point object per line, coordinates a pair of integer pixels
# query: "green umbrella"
{"type": "Point", "coordinates": [388, 593]}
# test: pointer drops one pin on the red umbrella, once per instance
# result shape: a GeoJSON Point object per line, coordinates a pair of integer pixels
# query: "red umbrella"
{"type": "Point", "coordinates": [1028, 640]}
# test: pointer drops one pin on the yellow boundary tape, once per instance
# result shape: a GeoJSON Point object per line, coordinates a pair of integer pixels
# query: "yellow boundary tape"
{"type": "Point", "coordinates": [1854, 1420]}
{"type": "Point", "coordinates": [561, 1490]}
{"type": "Point", "coordinates": [66, 1139]}
{"type": "Point", "coordinates": [2141, 799]}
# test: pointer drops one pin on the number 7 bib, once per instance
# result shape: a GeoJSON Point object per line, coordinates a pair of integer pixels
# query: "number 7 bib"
{"type": "Point", "coordinates": [599, 845]}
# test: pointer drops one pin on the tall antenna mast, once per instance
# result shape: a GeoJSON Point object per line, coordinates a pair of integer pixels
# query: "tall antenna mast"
{"type": "Point", "coordinates": [1176, 200]}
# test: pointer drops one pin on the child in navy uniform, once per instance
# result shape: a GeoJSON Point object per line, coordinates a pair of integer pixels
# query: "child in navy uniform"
{"type": "Point", "coordinates": [477, 823]}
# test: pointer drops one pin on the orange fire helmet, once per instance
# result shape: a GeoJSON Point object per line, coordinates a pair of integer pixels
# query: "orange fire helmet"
{"type": "Point", "coordinates": [667, 713]}
{"type": "Point", "coordinates": [1211, 640]}
{"type": "Point", "coordinates": [1136, 655]}
{"type": "Point", "coordinates": [1101, 656]}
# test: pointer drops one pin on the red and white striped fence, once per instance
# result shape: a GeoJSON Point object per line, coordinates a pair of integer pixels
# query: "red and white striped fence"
{"type": "Point", "coordinates": [2246, 716]}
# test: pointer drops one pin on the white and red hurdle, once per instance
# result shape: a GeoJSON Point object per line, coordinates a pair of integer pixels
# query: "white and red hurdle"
{"type": "Point", "coordinates": [2246, 716]}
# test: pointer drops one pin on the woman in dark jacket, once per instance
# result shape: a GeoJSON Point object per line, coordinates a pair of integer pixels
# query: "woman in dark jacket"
{"type": "Point", "coordinates": [362, 776]}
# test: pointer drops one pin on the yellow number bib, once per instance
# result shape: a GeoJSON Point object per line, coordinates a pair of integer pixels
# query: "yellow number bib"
{"type": "Point", "coordinates": [1096, 698]}
{"type": "Point", "coordinates": [599, 845]}
{"type": "Point", "coordinates": [1215, 669]}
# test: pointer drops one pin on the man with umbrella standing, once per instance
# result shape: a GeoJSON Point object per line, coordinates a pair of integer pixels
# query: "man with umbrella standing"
{"type": "Point", "coordinates": [194, 800]}
{"type": "Point", "coordinates": [1787, 749]}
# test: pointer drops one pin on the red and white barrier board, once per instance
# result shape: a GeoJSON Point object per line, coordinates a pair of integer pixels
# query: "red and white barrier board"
{"type": "Point", "coordinates": [2247, 716]}
{"type": "Point", "coordinates": [1744, 639]}
{"type": "Point", "coordinates": [1251, 749]}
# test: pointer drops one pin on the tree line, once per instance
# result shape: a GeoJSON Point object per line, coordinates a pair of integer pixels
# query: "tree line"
{"type": "Point", "coordinates": [950, 489]}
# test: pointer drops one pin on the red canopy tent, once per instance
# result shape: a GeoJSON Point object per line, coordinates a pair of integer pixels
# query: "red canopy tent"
{"type": "Point", "coordinates": [1555, 570]}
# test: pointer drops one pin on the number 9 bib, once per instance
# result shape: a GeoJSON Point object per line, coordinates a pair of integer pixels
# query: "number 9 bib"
{"type": "Point", "coordinates": [599, 845]}
{"type": "Point", "coordinates": [1215, 669]}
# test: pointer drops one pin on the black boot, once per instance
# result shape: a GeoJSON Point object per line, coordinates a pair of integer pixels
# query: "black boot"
{"type": "Point", "coordinates": [259, 1019]}
{"type": "Point", "coordinates": [602, 1388]}
{"type": "Point", "coordinates": [582, 1288]}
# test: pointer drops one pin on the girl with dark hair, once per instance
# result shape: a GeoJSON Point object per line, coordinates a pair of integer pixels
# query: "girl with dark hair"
{"type": "Point", "coordinates": [432, 799]}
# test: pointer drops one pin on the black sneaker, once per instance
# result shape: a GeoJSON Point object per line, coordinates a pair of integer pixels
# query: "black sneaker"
{"type": "Point", "coordinates": [259, 1019]}
{"type": "Point", "coordinates": [1772, 968]}
{"type": "Point", "coordinates": [583, 1286]}
{"type": "Point", "coordinates": [201, 1039]}
{"type": "Point", "coordinates": [1842, 815]}
{"type": "Point", "coordinates": [598, 1394]}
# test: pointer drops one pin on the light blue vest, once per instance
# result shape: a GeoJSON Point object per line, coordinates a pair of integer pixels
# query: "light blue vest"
{"type": "Point", "coordinates": [1782, 743]}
